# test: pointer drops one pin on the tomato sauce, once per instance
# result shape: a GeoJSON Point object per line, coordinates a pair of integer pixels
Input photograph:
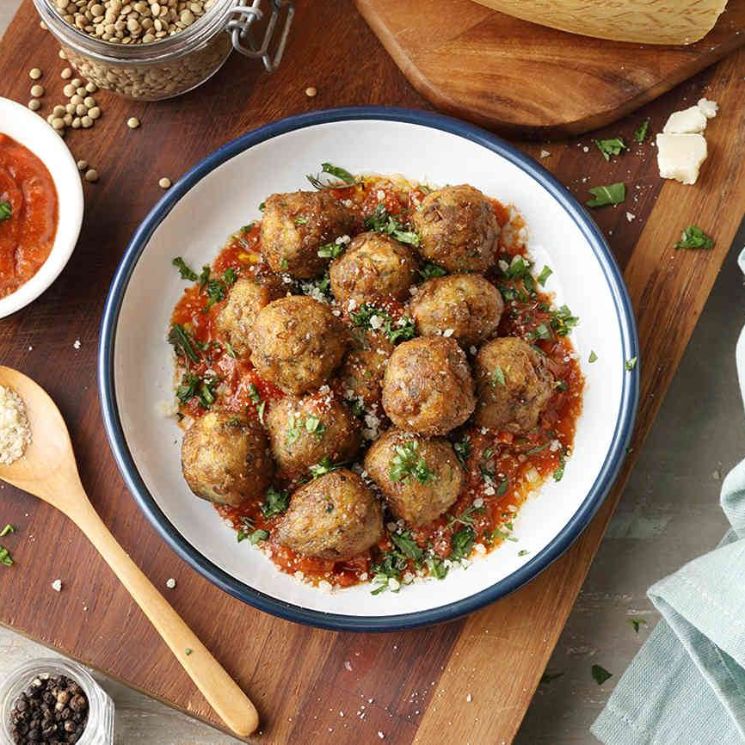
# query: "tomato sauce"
{"type": "Point", "coordinates": [28, 214]}
{"type": "Point", "coordinates": [501, 469]}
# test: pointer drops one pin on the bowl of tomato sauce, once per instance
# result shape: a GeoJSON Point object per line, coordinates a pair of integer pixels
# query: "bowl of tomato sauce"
{"type": "Point", "coordinates": [41, 206]}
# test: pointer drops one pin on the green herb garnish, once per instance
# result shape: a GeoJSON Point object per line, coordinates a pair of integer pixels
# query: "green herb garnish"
{"type": "Point", "coordinates": [6, 211]}
{"type": "Point", "coordinates": [612, 146]}
{"type": "Point", "coordinates": [314, 426]}
{"type": "Point", "coordinates": [631, 364]}
{"type": "Point", "coordinates": [431, 271]}
{"type": "Point", "coordinates": [185, 270]}
{"type": "Point", "coordinates": [463, 449]}
{"type": "Point", "coordinates": [436, 567]}
{"type": "Point", "coordinates": [600, 674]}
{"type": "Point", "coordinates": [546, 272]}
{"type": "Point", "coordinates": [637, 623]}
{"type": "Point", "coordinates": [275, 502]}
{"type": "Point", "coordinates": [255, 396]}
{"type": "Point", "coordinates": [344, 176]}
{"type": "Point", "coordinates": [592, 358]}
{"type": "Point", "coordinates": [497, 376]}
{"type": "Point", "coordinates": [5, 558]}
{"type": "Point", "coordinates": [324, 466]}
{"type": "Point", "coordinates": [381, 221]}
{"type": "Point", "coordinates": [548, 677]}
{"type": "Point", "coordinates": [400, 330]}
{"type": "Point", "coordinates": [559, 472]}
{"type": "Point", "coordinates": [182, 342]}
{"type": "Point", "coordinates": [408, 463]}
{"type": "Point", "coordinates": [694, 238]}
{"type": "Point", "coordinates": [461, 543]}
{"type": "Point", "coordinates": [7, 530]}
{"type": "Point", "coordinates": [407, 546]}
{"type": "Point", "coordinates": [605, 195]}
{"type": "Point", "coordinates": [640, 133]}
{"type": "Point", "coordinates": [331, 250]}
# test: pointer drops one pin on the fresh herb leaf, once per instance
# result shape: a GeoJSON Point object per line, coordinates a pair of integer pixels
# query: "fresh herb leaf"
{"type": "Point", "coordinates": [694, 238]}
{"type": "Point", "coordinates": [182, 342]}
{"type": "Point", "coordinates": [314, 426]}
{"type": "Point", "coordinates": [502, 488]}
{"type": "Point", "coordinates": [518, 268]}
{"type": "Point", "coordinates": [381, 221]}
{"type": "Point", "coordinates": [637, 623]}
{"type": "Point", "coordinates": [6, 211]}
{"type": "Point", "coordinates": [612, 146]}
{"type": "Point", "coordinates": [631, 364]}
{"type": "Point", "coordinates": [185, 270]}
{"type": "Point", "coordinates": [605, 195]}
{"type": "Point", "coordinates": [7, 530]}
{"type": "Point", "coordinates": [275, 502]}
{"type": "Point", "coordinates": [229, 276]}
{"type": "Point", "coordinates": [546, 272]}
{"type": "Point", "coordinates": [431, 271]}
{"type": "Point", "coordinates": [294, 429]}
{"type": "Point", "coordinates": [255, 396]}
{"type": "Point", "coordinates": [562, 321]}
{"type": "Point", "coordinates": [640, 133]}
{"type": "Point", "coordinates": [216, 291]}
{"type": "Point", "coordinates": [331, 250]}
{"type": "Point", "coordinates": [188, 651]}
{"type": "Point", "coordinates": [301, 220]}
{"type": "Point", "coordinates": [559, 472]}
{"type": "Point", "coordinates": [600, 674]}
{"type": "Point", "coordinates": [592, 358]}
{"type": "Point", "coordinates": [370, 317]}
{"type": "Point", "coordinates": [5, 558]}
{"type": "Point", "coordinates": [407, 546]}
{"type": "Point", "coordinates": [463, 449]}
{"type": "Point", "coordinates": [204, 276]}
{"type": "Point", "coordinates": [344, 176]}
{"type": "Point", "coordinates": [207, 389]}
{"type": "Point", "coordinates": [188, 388]}
{"type": "Point", "coordinates": [465, 517]}
{"type": "Point", "coordinates": [497, 377]}
{"type": "Point", "coordinates": [324, 466]}
{"type": "Point", "coordinates": [408, 463]}
{"type": "Point", "coordinates": [523, 552]}
{"type": "Point", "coordinates": [257, 536]}
{"type": "Point", "coordinates": [436, 567]}
{"type": "Point", "coordinates": [461, 543]}
{"type": "Point", "coordinates": [547, 677]}
{"type": "Point", "coordinates": [230, 350]}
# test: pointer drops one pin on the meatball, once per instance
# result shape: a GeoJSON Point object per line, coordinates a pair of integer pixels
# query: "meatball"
{"type": "Point", "coordinates": [225, 458]}
{"type": "Point", "coordinates": [304, 431]}
{"type": "Point", "coordinates": [514, 385]}
{"type": "Point", "coordinates": [296, 343]}
{"type": "Point", "coordinates": [247, 297]}
{"type": "Point", "coordinates": [332, 517]}
{"type": "Point", "coordinates": [458, 229]}
{"type": "Point", "coordinates": [363, 368]}
{"type": "Point", "coordinates": [373, 266]}
{"type": "Point", "coordinates": [296, 225]}
{"type": "Point", "coordinates": [428, 387]}
{"type": "Point", "coordinates": [419, 478]}
{"type": "Point", "coordinates": [465, 305]}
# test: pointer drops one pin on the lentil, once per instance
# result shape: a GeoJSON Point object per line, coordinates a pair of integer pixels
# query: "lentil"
{"type": "Point", "coordinates": [52, 708]}
{"type": "Point", "coordinates": [35, 73]}
{"type": "Point", "coordinates": [91, 175]}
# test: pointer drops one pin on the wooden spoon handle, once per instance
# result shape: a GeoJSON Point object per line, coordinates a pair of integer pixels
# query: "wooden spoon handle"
{"type": "Point", "coordinates": [223, 694]}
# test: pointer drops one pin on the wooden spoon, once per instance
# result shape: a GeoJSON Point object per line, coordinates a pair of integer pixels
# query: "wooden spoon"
{"type": "Point", "coordinates": [48, 470]}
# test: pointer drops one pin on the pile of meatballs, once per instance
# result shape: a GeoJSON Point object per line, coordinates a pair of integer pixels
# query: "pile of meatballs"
{"type": "Point", "coordinates": [456, 370]}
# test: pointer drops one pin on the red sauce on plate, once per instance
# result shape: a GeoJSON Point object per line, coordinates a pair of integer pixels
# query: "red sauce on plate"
{"type": "Point", "coordinates": [502, 469]}
{"type": "Point", "coordinates": [28, 214]}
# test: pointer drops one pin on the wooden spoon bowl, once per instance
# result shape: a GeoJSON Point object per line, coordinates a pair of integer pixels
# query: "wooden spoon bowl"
{"type": "Point", "coordinates": [48, 470]}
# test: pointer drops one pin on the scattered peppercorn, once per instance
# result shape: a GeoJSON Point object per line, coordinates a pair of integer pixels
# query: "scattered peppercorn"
{"type": "Point", "coordinates": [52, 709]}
{"type": "Point", "coordinates": [164, 183]}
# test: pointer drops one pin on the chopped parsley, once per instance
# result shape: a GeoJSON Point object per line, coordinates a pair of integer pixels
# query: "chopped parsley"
{"type": "Point", "coordinates": [523, 552]}
{"type": "Point", "coordinates": [193, 386]}
{"type": "Point", "coordinates": [324, 466]}
{"type": "Point", "coordinates": [631, 364]}
{"type": "Point", "coordinates": [407, 463]}
{"type": "Point", "coordinates": [559, 472]}
{"type": "Point", "coordinates": [640, 133]}
{"type": "Point", "coordinates": [694, 238]}
{"type": "Point", "coordinates": [370, 317]}
{"type": "Point", "coordinates": [230, 350]}
{"type": "Point", "coordinates": [255, 396]}
{"type": "Point", "coordinates": [5, 558]}
{"type": "Point", "coordinates": [547, 677]}
{"type": "Point", "coordinates": [612, 146]}
{"type": "Point", "coordinates": [503, 486]}
{"type": "Point", "coordinates": [465, 517]}
{"type": "Point", "coordinates": [497, 376]}
{"type": "Point", "coordinates": [546, 272]}
{"type": "Point", "coordinates": [562, 321]}
{"type": "Point", "coordinates": [6, 211]}
{"type": "Point", "coordinates": [436, 566]}
{"type": "Point", "coordinates": [185, 270]}
{"type": "Point", "coordinates": [406, 544]}
{"type": "Point", "coordinates": [637, 623]}
{"type": "Point", "coordinates": [182, 342]}
{"type": "Point", "coordinates": [431, 271]}
{"type": "Point", "coordinates": [463, 449]}
{"type": "Point", "coordinates": [600, 674]}
{"type": "Point", "coordinates": [314, 426]}
{"type": "Point", "coordinates": [592, 358]}
{"type": "Point", "coordinates": [248, 533]}
{"type": "Point", "coordinates": [605, 195]}
{"type": "Point", "coordinates": [294, 429]}
{"type": "Point", "coordinates": [7, 530]}
{"type": "Point", "coordinates": [381, 221]}
{"type": "Point", "coordinates": [519, 268]}
{"type": "Point", "coordinates": [344, 177]}
{"type": "Point", "coordinates": [297, 425]}
{"type": "Point", "coordinates": [461, 543]}
{"type": "Point", "coordinates": [275, 502]}
{"type": "Point", "coordinates": [331, 250]}
{"type": "Point", "coordinates": [541, 331]}
{"type": "Point", "coordinates": [301, 220]}
{"type": "Point", "coordinates": [217, 288]}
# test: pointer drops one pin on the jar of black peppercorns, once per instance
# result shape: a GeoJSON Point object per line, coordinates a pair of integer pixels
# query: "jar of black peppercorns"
{"type": "Point", "coordinates": [54, 702]}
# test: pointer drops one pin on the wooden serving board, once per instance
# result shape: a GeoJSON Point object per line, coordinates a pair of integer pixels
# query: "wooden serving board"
{"type": "Point", "coordinates": [527, 80]}
{"type": "Point", "coordinates": [311, 686]}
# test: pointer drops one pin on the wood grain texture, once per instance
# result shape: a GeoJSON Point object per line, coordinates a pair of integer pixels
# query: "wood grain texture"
{"type": "Point", "coordinates": [476, 63]}
{"type": "Point", "coordinates": [412, 685]}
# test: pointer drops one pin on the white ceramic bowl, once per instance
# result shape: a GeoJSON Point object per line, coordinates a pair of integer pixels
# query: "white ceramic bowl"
{"type": "Point", "coordinates": [223, 192]}
{"type": "Point", "coordinates": [31, 131]}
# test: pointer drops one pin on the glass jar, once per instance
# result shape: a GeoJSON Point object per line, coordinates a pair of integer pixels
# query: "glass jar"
{"type": "Point", "coordinates": [175, 64]}
{"type": "Point", "coordinates": [99, 729]}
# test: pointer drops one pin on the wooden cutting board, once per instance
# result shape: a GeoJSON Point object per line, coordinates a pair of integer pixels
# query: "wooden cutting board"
{"type": "Point", "coordinates": [311, 686]}
{"type": "Point", "coordinates": [527, 80]}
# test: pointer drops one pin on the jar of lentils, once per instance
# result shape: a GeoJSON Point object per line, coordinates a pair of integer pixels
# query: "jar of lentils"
{"type": "Point", "coordinates": [54, 700]}
{"type": "Point", "coordinates": [156, 49]}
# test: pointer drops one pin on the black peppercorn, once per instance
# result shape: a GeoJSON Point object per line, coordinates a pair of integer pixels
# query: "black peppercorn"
{"type": "Point", "coordinates": [52, 710]}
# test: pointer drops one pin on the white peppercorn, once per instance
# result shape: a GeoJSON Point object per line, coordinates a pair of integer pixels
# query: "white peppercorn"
{"type": "Point", "coordinates": [35, 73]}
{"type": "Point", "coordinates": [34, 104]}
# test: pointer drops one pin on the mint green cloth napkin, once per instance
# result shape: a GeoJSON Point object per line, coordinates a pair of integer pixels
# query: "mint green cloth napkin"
{"type": "Point", "coordinates": [686, 686]}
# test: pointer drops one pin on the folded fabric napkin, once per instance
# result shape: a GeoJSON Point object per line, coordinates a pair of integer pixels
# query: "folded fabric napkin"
{"type": "Point", "coordinates": [686, 686]}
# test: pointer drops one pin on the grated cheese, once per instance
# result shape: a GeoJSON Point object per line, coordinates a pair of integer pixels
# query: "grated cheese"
{"type": "Point", "coordinates": [15, 432]}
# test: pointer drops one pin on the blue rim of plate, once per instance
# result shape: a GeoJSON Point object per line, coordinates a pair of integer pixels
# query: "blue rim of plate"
{"type": "Point", "coordinates": [334, 621]}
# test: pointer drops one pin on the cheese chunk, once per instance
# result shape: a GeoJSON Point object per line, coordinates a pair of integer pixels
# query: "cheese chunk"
{"type": "Point", "coordinates": [708, 108]}
{"type": "Point", "coordinates": [679, 156]}
{"type": "Point", "coordinates": [688, 121]}
{"type": "Point", "coordinates": [641, 21]}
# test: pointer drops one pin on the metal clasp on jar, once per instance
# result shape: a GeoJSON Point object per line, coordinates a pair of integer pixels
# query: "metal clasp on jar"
{"type": "Point", "coordinates": [246, 15]}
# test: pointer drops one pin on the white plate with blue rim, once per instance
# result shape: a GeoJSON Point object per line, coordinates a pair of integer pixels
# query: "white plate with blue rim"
{"type": "Point", "coordinates": [216, 196]}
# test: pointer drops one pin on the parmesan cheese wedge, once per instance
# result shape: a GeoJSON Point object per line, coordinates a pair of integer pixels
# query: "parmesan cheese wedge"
{"type": "Point", "coordinates": [642, 21]}
{"type": "Point", "coordinates": [688, 121]}
{"type": "Point", "coordinates": [679, 156]}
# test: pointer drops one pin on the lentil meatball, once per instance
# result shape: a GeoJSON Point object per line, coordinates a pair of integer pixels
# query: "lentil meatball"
{"type": "Point", "coordinates": [364, 366]}
{"type": "Point", "coordinates": [333, 517]}
{"type": "Point", "coordinates": [427, 386]}
{"type": "Point", "coordinates": [419, 478]}
{"type": "Point", "coordinates": [458, 229]}
{"type": "Point", "coordinates": [514, 385]}
{"type": "Point", "coordinates": [247, 297]}
{"type": "Point", "coordinates": [304, 431]}
{"type": "Point", "coordinates": [225, 458]}
{"type": "Point", "coordinates": [467, 305]}
{"type": "Point", "coordinates": [296, 343]}
{"type": "Point", "coordinates": [373, 266]}
{"type": "Point", "coordinates": [296, 225]}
